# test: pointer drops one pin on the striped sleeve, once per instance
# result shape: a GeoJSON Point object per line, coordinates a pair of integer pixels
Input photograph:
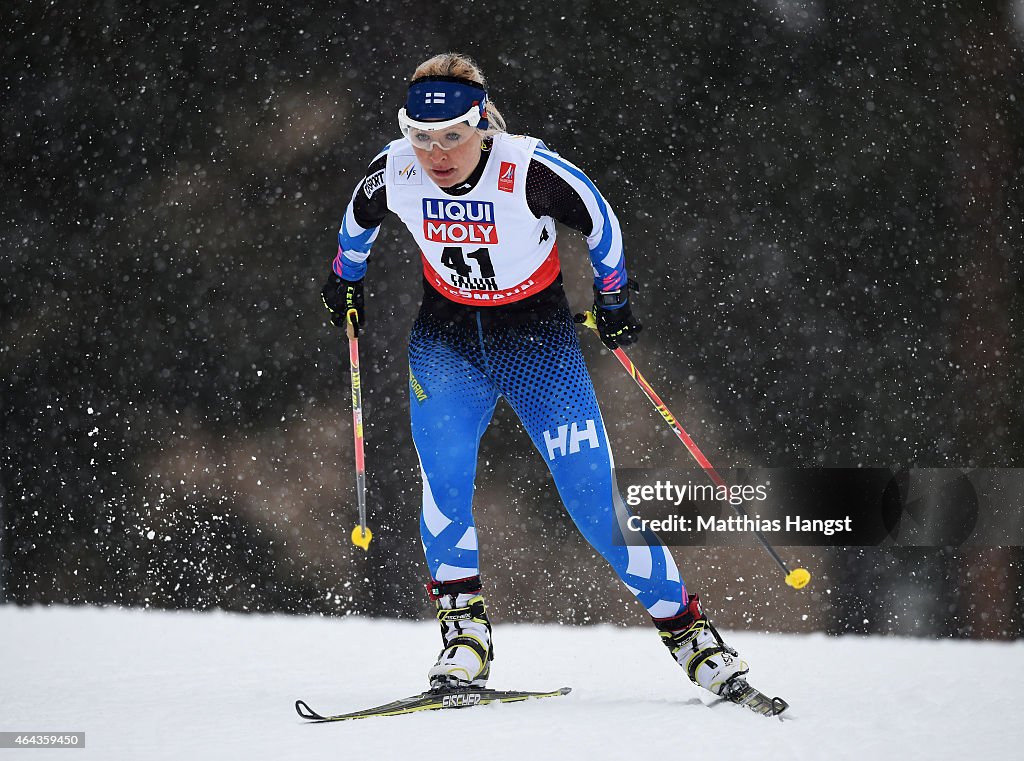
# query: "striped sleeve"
{"type": "Point", "coordinates": [359, 227]}
{"type": "Point", "coordinates": [604, 237]}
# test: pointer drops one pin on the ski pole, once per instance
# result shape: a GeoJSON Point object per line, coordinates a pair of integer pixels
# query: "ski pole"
{"type": "Point", "coordinates": [798, 578]}
{"type": "Point", "coordinates": [361, 535]}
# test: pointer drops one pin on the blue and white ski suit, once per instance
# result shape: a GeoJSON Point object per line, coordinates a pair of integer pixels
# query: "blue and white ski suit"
{"type": "Point", "coordinates": [495, 323]}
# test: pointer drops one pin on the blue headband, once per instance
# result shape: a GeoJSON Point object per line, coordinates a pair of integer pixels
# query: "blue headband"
{"type": "Point", "coordinates": [443, 98]}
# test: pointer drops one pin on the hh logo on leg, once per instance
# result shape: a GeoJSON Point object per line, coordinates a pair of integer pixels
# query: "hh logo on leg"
{"type": "Point", "coordinates": [567, 439]}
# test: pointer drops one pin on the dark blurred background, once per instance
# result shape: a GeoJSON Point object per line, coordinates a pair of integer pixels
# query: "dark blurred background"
{"type": "Point", "coordinates": [822, 200]}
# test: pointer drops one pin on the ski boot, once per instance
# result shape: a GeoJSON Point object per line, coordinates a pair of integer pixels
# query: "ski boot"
{"type": "Point", "coordinates": [465, 659]}
{"type": "Point", "coordinates": [698, 648]}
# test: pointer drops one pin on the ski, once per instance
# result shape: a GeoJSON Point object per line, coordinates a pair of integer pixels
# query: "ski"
{"type": "Point", "coordinates": [741, 693]}
{"type": "Point", "coordinates": [431, 701]}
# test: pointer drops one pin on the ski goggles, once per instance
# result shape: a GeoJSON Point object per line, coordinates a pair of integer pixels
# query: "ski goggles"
{"type": "Point", "coordinates": [445, 135]}
{"type": "Point", "coordinates": [442, 111]}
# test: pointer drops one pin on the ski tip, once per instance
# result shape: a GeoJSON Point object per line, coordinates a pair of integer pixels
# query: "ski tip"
{"type": "Point", "coordinates": [564, 690]}
{"type": "Point", "coordinates": [303, 710]}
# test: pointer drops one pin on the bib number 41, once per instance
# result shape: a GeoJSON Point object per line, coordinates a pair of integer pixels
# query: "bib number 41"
{"type": "Point", "coordinates": [454, 258]}
{"type": "Point", "coordinates": [462, 272]}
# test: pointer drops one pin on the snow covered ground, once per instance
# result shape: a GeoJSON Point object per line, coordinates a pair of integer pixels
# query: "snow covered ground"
{"type": "Point", "coordinates": [164, 685]}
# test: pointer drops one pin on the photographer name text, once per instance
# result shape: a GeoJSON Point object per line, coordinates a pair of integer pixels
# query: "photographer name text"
{"type": "Point", "coordinates": [740, 523]}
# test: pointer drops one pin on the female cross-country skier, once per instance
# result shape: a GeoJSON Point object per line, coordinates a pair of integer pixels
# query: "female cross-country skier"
{"type": "Point", "coordinates": [494, 322]}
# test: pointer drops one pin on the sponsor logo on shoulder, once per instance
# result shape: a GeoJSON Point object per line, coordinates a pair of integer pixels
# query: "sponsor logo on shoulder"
{"type": "Point", "coordinates": [373, 183]}
{"type": "Point", "coordinates": [507, 177]}
{"type": "Point", "coordinates": [407, 171]}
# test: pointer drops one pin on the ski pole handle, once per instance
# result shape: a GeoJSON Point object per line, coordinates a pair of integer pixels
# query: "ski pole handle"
{"type": "Point", "coordinates": [361, 535]}
{"type": "Point", "coordinates": [798, 577]}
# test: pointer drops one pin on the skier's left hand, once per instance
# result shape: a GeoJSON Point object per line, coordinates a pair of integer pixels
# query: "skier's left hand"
{"type": "Point", "coordinates": [615, 322]}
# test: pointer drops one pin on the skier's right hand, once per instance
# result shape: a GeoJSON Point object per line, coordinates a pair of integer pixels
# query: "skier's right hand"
{"type": "Point", "coordinates": [340, 296]}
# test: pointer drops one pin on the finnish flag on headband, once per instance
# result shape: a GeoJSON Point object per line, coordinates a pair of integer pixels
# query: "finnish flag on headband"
{"type": "Point", "coordinates": [443, 98]}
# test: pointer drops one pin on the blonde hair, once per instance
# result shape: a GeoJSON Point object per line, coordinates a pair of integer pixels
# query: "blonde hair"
{"type": "Point", "coordinates": [464, 67]}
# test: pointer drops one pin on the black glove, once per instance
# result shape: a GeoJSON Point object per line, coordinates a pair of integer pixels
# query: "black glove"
{"type": "Point", "coordinates": [342, 295]}
{"type": "Point", "coordinates": [615, 321]}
